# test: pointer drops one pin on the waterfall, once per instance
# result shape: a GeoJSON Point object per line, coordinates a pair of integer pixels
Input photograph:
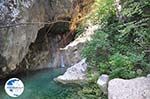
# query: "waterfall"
{"type": "Point", "coordinates": [62, 61]}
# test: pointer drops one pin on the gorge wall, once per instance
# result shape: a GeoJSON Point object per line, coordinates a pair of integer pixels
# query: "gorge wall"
{"type": "Point", "coordinates": [31, 31]}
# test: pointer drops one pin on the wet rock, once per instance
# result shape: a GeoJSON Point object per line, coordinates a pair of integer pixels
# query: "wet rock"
{"type": "Point", "coordinates": [74, 74]}
{"type": "Point", "coordinates": [103, 83]}
{"type": "Point", "coordinates": [138, 88]}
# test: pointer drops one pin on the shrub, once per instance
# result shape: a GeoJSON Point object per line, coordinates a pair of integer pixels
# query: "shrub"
{"type": "Point", "coordinates": [103, 10]}
{"type": "Point", "coordinates": [120, 48]}
{"type": "Point", "coordinates": [97, 50]}
{"type": "Point", "coordinates": [121, 66]}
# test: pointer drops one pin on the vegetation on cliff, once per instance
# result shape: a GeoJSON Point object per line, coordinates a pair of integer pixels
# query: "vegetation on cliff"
{"type": "Point", "coordinates": [120, 47]}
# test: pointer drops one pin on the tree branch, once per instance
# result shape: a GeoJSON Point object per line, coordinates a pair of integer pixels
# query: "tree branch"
{"type": "Point", "coordinates": [32, 23]}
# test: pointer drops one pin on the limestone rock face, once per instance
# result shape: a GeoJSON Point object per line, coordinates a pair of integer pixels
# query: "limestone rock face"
{"type": "Point", "coordinates": [74, 74]}
{"type": "Point", "coordinates": [72, 52]}
{"type": "Point", "coordinates": [138, 88]}
{"type": "Point", "coordinates": [20, 21]}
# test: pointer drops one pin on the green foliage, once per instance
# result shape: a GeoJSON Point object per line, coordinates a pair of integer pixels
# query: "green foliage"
{"type": "Point", "coordinates": [86, 91]}
{"type": "Point", "coordinates": [121, 66]}
{"type": "Point", "coordinates": [135, 9]}
{"type": "Point", "coordinates": [131, 8]}
{"type": "Point", "coordinates": [103, 10]}
{"type": "Point", "coordinates": [120, 48]}
{"type": "Point", "coordinates": [98, 47]}
{"type": "Point", "coordinates": [91, 91]}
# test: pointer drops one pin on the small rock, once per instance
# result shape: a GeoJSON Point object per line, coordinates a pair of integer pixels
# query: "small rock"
{"type": "Point", "coordinates": [138, 88]}
{"type": "Point", "coordinates": [4, 69]}
{"type": "Point", "coordinates": [148, 75]}
{"type": "Point", "coordinates": [139, 71]}
{"type": "Point", "coordinates": [103, 82]}
{"type": "Point", "coordinates": [12, 67]}
{"type": "Point", "coordinates": [74, 74]}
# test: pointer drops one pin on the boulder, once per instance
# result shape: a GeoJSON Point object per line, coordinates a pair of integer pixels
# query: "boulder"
{"type": "Point", "coordinates": [138, 88]}
{"type": "Point", "coordinates": [148, 75]}
{"type": "Point", "coordinates": [74, 74]}
{"type": "Point", "coordinates": [103, 82]}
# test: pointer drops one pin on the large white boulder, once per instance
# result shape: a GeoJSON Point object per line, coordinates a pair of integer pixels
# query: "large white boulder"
{"type": "Point", "coordinates": [103, 82]}
{"type": "Point", "coordinates": [138, 88]}
{"type": "Point", "coordinates": [74, 74]}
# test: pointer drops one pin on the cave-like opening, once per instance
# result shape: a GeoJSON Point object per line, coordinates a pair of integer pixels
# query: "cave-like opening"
{"type": "Point", "coordinates": [44, 52]}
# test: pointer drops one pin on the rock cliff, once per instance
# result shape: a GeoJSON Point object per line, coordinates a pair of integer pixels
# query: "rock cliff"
{"type": "Point", "coordinates": [25, 23]}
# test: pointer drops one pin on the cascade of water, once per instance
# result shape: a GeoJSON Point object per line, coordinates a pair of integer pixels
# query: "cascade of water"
{"type": "Point", "coordinates": [62, 61]}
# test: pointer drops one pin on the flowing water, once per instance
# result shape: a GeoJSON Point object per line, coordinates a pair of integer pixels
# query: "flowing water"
{"type": "Point", "coordinates": [40, 85]}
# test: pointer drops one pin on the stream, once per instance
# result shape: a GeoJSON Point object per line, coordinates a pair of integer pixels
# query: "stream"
{"type": "Point", "coordinates": [40, 85]}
